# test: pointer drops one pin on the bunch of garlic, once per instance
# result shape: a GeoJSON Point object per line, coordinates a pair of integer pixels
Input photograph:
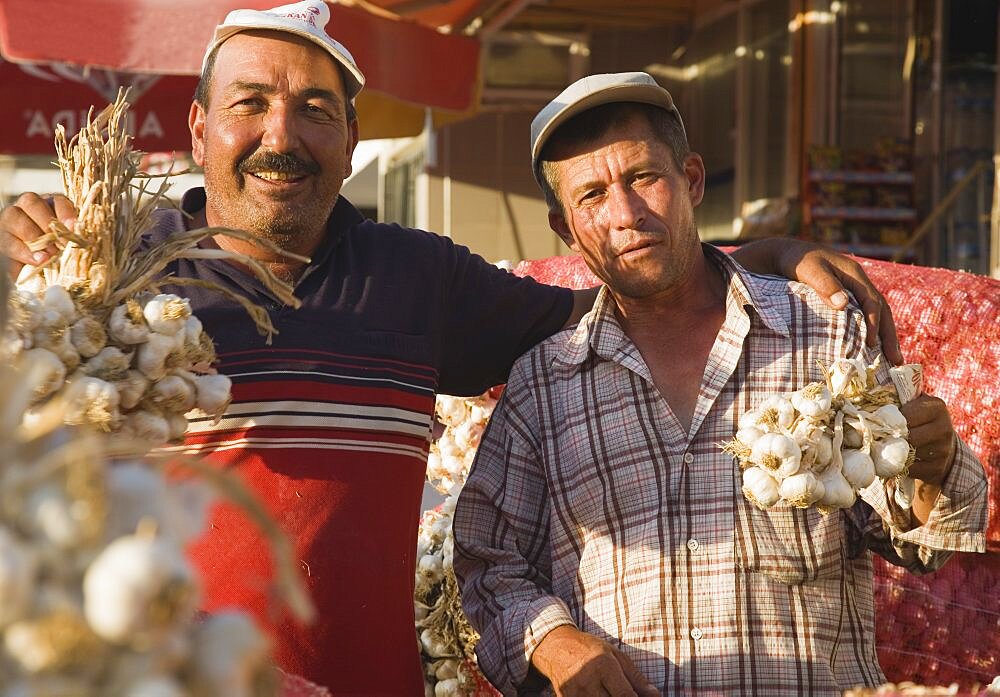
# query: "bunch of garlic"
{"type": "Point", "coordinates": [96, 594]}
{"type": "Point", "coordinates": [446, 639]}
{"type": "Point", "coordinates": [123, 356]}
{"type": "Point", "coordinates": [137, 368]}
{"type": "Point", "coordinates": [820, 445]}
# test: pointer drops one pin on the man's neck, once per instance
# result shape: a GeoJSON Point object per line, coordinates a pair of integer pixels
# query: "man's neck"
{"type": "Point", "coordinates": [288, 270]}
{"type": "Point", "coordinates": [675, 332]}
{"type": "Point", "coordinates": [672, 312]}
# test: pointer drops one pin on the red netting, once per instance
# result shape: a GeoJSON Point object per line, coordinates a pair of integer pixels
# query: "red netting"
{"type": "Point", "coordinates": [483, 688]}
{"type": "Point", "coordinates": [944, 627]}
{"type": "Point", "coordinates": [294, 686]}
{"type": "Point", "coordinates": [949, 322]}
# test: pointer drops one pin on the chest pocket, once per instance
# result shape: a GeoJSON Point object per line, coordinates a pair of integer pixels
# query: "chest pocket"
{"type": "Point", "coordinates": [791, 545]}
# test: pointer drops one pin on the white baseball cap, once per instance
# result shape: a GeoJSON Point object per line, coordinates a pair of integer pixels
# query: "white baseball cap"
{"type": "Point", "coordinates": [595, 90]}
{"type": "Point", "coordinates": [307, 19]}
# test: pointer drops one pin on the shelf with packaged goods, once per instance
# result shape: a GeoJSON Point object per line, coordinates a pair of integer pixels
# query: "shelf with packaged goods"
{"type": "Point", "coordinates": [873, 251]}
{"type": "Point", "coordinates": [860, 177]}
{"type": "Point", "coordinates": [863, 213]}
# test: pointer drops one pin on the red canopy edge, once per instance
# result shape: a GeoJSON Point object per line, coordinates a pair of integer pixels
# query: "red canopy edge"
{"type": "Point", "coordinates": [402, 59]}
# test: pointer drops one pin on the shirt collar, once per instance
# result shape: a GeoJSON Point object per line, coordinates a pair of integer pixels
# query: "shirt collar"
{"type": "Point", "coordinates": [599, 332]}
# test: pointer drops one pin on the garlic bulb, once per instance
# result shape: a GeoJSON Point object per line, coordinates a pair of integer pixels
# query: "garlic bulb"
{"type": "Point", "coordinates": [177, 425]}
{"type": "Point", "coordinates": [451, 411]}
{"type": "Point", "coordinates": [801, 490]}
{"type": "Point", "coordinates": [760, 488]}
{"type": "Point", "coordinates": [431, 567]}
{"type": "Point", "coordinates": [57, 299]}
{"type": "Point", "coordinates": [49, 514]}
{"type": "Point", "coordinates": [448, 668]}
{"type": "Point", "coordinates": [778, 454]}
{"type": "Point", "coordinates": [92, 401]}
{"type": "Point", "coordinates": [137, 493]}
{"type": "Point", "coordinates": [127, 324]}
{"type": "Point", "coordinates": [448, 688]}
{"type": "Point", "coordinates": [853, 437]}
{"type": "Point", "coordinates": [131, 388]}
{"type": "Point", "coordinates": [213, 393]}
{"type": "Point", "coordinates": [891, 419]}
{"type": "Point", "coordinates": [139, 588]}
{"type": "Point", "coordinates": [818, 450]}
{"type": "Point", "coordinates": [434, 645]}
{"type": "Point", "coordinates": [848, 377]}
{"type": "Point", "coordinates": [173, 393]}
{"type": "Point", "coordinates": [151, 356]}
{"type": "Point", "coordinates": [858, 468]}
{"type": "Point", "coordinates": [155, 687]}
{"type": "Point", "coordinates": [813, 401]}
{"type": "Point", "coordinates": [88, 336]}
{"type": "Point", "coordinates": [749, 435]}
{"type": "Point", "coordinates": [230, 657]}
{"type": "Point", "coordinates": [891, 457]}
{"type": "Point", "coordinates": [146, 425]}
{"type": "Point", "coordinates": [777, 412]}
{"type": "Point", "coordinates": [45, 371]}
{"type": "Point", "coordinates": [18, 566]}
{"type": "Point", "coordinates": [56, 339]}
{"type": "Point", "coordinates": [166, 314]}
{"type": "Point", "coordinates": [59, 641]}
{"type": "Point", "coordinates": [110, 364]}
{"type": "Point", "coordinates": [837, 491]}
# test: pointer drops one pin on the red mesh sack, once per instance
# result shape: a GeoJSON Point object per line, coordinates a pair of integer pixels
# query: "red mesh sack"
{"type": "Point", "coordinates": [941, 628]}
{"type": "Point", "coordinates": [294, 686]}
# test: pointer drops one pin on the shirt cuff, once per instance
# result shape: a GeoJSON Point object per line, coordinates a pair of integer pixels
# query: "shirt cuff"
{"type": "Point", "coordinates": [538, 617]}
{"type": "Point", "coordinates": [957, 521]}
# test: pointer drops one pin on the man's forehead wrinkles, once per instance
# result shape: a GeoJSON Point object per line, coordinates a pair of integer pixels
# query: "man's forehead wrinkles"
{"type": "Point", "coordinates": [268, 88]}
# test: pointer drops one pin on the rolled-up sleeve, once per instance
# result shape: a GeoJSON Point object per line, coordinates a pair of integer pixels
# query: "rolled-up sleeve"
{"type": "Point", "coordinates": [502, 552]}
{"type": "Point", "coordinates": [957, 522]}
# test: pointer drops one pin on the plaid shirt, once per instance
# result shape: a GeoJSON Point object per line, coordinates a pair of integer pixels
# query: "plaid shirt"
{"type": "Point", "coordinates": [589, 505]}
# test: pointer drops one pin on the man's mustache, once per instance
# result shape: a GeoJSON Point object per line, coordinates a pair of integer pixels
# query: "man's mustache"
{"type": "Point", "coordinates": [285, 163]}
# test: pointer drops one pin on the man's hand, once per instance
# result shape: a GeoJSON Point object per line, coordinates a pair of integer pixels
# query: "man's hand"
{"type": "Point", "coordinates": [26, 220]}
{"type": "Point", "coordinates": [829, 274]}
{"type": "Point", "coordinates": [933, 435]}
{"type": "Point", "coordinates": [577, 663]}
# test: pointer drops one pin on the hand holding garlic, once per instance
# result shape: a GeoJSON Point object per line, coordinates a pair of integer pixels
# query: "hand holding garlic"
{"type": "Point", "coordinates": [828, 440]}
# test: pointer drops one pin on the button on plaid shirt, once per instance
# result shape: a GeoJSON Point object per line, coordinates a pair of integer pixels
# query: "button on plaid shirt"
{"type": "Point", "coordinates": [589, 505]}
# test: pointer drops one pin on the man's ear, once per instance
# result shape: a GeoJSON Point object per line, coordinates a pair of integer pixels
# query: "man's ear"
{"type": "Point", "coordinates": [558, 224]}
{"type": "Point", "coordinates": [196, 124]}
{"type": "Point", "coordinates": [694, 172]}
{"type": "Point", "coordinates": [354, 135]}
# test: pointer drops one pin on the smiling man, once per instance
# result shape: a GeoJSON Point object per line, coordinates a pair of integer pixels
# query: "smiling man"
{"type": "Point", "coordinates": [330, 425]}
{"type": "Point", "coordinates": [602, 541]}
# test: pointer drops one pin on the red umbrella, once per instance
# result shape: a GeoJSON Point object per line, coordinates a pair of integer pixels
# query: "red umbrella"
{"type": "Point", "coordinates": [72, 49]}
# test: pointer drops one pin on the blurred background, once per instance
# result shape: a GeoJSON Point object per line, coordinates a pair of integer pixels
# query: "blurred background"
{"type": "Point", "coordinates": [871, 125]}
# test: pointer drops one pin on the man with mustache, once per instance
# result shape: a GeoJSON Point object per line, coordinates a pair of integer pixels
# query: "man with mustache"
{"type": "Point", "coordinates": [602, 542]}
{"type": "Point", "coordinates": [330, 424]}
